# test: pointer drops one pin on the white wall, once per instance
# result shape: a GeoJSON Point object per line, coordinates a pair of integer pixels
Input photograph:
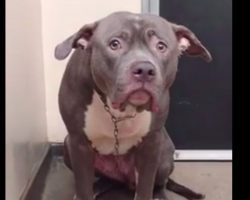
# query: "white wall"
{"type": "Point", "coordinates": [26, 134]}
{"type": "Point", "coordinates": [33, 28]}
{"type": "Point", "coordinates": [60, 19]}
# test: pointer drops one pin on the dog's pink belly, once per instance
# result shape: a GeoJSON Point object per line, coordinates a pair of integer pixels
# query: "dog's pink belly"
{"type": "Point", "coordinates": [120, 168]}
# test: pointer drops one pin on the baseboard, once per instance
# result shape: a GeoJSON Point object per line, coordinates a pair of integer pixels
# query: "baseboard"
{"type": "Point", "coordinates": [57, 149]}
{"type": "Point", "coordinates": [39, 174]}
{"type": "Point", "coordinates": [180, 155]}
{"type": "Point", "coordinates": [203, 155]}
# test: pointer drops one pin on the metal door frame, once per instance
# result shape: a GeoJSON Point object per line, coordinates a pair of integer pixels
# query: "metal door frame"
{"type": "Point", "coordinates": [153, 7]}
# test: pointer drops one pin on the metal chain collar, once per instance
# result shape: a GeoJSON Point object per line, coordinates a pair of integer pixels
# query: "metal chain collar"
{"type": "Point", "coordinates": [115, 121]}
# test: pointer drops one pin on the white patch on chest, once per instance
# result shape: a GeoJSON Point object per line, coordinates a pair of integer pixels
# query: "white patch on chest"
{"type": "Point", "coordinates": [100, 129]}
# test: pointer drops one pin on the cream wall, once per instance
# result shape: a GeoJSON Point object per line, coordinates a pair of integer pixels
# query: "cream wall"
{"type": "Point", "coordinates": [61, 18]}
{"type": "Point", "coordinates": [33, 28]}
{"type": "Point", "coordinates": [26, 134]}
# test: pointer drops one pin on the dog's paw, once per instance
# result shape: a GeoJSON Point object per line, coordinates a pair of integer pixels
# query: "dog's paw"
{"type": "Point", "coordinates": [158, 199]}
{"type": "Point", "coordinates": [75, 197]}
{"type": "Point", "coordinates": [200, 197]}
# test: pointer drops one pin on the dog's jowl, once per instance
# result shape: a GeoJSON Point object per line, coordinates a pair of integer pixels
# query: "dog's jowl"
{"type": "Point", "coordinates": [114, 101]}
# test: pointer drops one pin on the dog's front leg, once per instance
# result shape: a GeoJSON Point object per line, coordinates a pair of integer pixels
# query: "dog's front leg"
{"type": "Point", "coordinates": [147, 162]}
{"type": "Point", "coordinates": [81, 156]}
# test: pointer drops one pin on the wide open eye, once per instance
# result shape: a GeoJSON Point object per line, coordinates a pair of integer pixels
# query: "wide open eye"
{"type": "Point", "coordinates": [115, 44]}
{"type": "Point", "coordinates": [162, 47]}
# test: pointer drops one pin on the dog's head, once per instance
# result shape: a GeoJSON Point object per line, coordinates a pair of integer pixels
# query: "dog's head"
{"type": "Point", "coordinates": [134, 57]}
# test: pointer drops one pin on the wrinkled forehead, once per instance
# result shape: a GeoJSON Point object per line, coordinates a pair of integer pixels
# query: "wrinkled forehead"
{"type": "Point", "coordinates": [134, 24]}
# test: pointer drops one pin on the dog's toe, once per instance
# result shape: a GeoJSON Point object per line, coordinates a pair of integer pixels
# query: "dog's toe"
{"type": "Point", "coordinates": [199, 197]}
{"type": "Point", "coordinates": [202, 196]}
{"type": "Point", "coordinates": [75, 197]}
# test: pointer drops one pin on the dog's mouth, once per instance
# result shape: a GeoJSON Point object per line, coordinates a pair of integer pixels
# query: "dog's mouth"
{"type": "Point", "coordinates": [141, 99]}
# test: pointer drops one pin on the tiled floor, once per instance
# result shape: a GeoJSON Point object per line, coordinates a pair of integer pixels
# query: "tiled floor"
{"type": "Point", "coordinates": [211, 178]}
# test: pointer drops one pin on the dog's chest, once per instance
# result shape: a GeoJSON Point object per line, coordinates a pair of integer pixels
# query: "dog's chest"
{"type": "Point", "coordinates": [99, 127]}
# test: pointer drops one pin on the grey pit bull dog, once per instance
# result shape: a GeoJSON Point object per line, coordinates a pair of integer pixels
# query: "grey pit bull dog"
{"type": "Point", "coordinates": [114, 101]}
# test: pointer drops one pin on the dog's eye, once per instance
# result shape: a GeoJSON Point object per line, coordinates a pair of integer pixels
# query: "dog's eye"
{"type": "Point", "coordinates": [115, 44]}
{"type": "Point", "coordinates": [162, 47]}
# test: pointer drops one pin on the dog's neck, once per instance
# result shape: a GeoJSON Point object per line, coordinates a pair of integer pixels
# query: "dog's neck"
{"type": "Point", "coordinates": [99, 127]}
{"type": "Point", "coordinates": [128, 111]}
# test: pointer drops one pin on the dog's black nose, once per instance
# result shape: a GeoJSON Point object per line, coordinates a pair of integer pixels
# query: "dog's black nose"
{"type": "Point", "coordinates": [143, 71]}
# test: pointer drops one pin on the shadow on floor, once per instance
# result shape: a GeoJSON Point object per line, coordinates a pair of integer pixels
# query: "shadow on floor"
{"type": "Point", "coordinates": [211, 178]}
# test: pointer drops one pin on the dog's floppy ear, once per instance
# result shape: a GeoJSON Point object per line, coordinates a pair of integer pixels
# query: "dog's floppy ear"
{"type": "Point", "coordinates": [79, 39]}
{"type": "Point", "coordinates": [189, 44]}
